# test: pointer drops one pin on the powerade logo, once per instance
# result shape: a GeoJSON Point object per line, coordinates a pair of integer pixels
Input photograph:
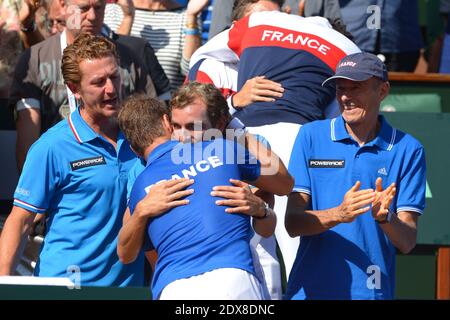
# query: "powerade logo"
{"type": "Point", "coordinates": [316, 163]}
{"type": "Point", "coordinates": [89, 162]}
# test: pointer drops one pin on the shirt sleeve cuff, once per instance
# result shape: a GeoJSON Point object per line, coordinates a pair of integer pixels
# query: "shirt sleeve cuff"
{"type": "Point", "coordinates": [230, 105]}
{"type": "Point", "coordinates": [413, 209]}
{"type": "Point", "coordinates": [28, 103]}
{"type": "Point", "coordinates": [27, 206]}
{"type": "Point", "coordinates": [302, 190]}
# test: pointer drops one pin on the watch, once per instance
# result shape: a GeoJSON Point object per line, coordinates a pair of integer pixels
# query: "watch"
{"type": "Point", "coordinates": [266, 212]}
{"type": "Point", "coordinates": [388, 219]}
{"type": "Point", "coordinates": [30, 28]}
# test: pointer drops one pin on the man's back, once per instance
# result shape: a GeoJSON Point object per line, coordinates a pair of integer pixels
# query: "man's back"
{"type": "Point", "coordinates": [299, 53]}
{"type": "Point", "coordinates": [200, 237]}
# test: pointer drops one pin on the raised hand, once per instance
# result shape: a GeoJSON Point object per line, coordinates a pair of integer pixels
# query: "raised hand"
{"type": "Point", "coordinates": [194, 7]}
{"type": "Point", "coordinates": [127, 7]}
{"type": "Point", "coordinates": [383, 199]}
{"type": "Point", "coordinates": [27, 11]}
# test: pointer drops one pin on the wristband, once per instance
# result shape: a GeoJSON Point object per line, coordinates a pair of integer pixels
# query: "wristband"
{"type": "Point", "coordinates": [30, 28]}
{"type": "Point", "coordinates": [191, 31]}
{"type": "Point", "coordinates": [192, 25]}
{"type": "Point", "coordinates": [231, 101]}
{"type": "Point", "coordinates": [235, 123]}
{"type": "Point", "coordinates": [231, 109]}
{"type": "Point", "coordinates": [266, 212]}
{"type": "Point", "coordinates": [388, 218]}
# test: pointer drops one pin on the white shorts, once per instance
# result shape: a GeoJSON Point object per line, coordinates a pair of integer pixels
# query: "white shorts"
{"type": "Point", "coordinates": [281, 137]}
{"type": "Point", "coordinates": [218, 284]}
{"type": "Point", "coordinates": [267, 267]}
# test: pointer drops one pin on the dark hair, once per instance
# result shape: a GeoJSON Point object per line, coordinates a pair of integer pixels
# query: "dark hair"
{"type": "Point", "coordinates": [216, 105]}
{"type": "Point", "coordinates": [340, 27]}
{"type": "Point", "coordinates": [140, 119]}
{"type": "Point", "coordinates": [240, 6]}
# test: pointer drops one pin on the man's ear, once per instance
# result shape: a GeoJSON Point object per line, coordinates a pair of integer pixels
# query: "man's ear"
{"type": "Point", "coordinates": [166, 123]}
{"type": "Point", "coordinates": [385, 88]}
{"type": "Point", "coordinates": [74, 88]}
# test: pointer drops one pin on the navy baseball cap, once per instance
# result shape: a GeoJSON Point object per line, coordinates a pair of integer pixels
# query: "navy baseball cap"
{"type": "Point", "coordinates": [360, 67]}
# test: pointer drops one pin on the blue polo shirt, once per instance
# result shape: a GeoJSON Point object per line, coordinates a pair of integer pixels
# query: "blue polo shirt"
{"type": "Point", "coordinates": [79, 180]}
{"type": "Point", "coordinates": [201, 236]}
{"type": "Point", "coordinates": [342, 262]}
{"type": "Point", "coordinates": [135, 171]}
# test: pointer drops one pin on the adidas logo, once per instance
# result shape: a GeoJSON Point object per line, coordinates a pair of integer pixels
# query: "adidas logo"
{"type": "Point", "coordinates": [383, 171]}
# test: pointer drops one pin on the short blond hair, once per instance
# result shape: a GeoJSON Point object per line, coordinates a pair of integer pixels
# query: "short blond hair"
{"type": "Point", "coordinates": [85, 47]}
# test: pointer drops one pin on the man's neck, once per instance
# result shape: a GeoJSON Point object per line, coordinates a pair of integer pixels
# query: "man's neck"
{"type": "Point", "coordinates": [70, 37]}
{"type": "Point", "coordinates": [363, 133]}
{"type": "Point", "coordinates": [108, 128]}
{"type": "Point", "coordinates": [156, 143]}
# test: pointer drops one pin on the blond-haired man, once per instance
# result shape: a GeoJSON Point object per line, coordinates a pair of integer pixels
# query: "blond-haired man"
{"type": "Point", "coordinates": [76, 173]}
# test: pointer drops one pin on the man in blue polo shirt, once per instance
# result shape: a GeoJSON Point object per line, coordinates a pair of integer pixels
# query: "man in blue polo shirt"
{"type": "Point", "coordinates": [77, 174]}
{"type": "Point", "coordinates": [359, 191]}
{"type": "Point", "coordinates": [203, 251]}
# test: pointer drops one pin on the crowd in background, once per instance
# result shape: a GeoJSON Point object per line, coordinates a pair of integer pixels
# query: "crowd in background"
{"type": "Point", "coordinates": [402, 40]}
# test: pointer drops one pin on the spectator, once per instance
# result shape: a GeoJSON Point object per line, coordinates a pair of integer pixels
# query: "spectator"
{"type": "Point", "coordinates": [38, 93]}
{"type": "Point", "coordinates": [222, 10]}
{"type": "Point", "coordinates": [17, 30]}
{"type": "Point", "coordinates": [390, 28]}
{"type": "Point", "coordinates": [56, 21]}
{"type": "Point", "coordinates": [297, 53]}
{"type": "Point", "coordinates": [205, 17]}
{"type": "Point", "coordinates": [171, 30]}
{"type": "Point", "coordinates": [76, 173]}
{"type": "Point", "coordinates": [10, 49]}
{"type": "Point", "coordinates": [359, 191]}
{"type": "Point", "coordinates": [28, 26]}
{"type": "Point", "coordinates": [210, 245]}
{"type": "Point", "coordinates": [329, 9]}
